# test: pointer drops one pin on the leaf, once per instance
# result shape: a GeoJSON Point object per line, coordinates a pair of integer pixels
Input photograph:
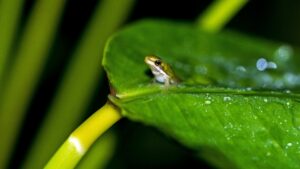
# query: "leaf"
{"type": "Point", "coordinates": [225, 109]}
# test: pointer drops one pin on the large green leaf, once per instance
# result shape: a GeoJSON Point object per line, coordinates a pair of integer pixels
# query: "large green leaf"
{"type": "Point", "coordinates": [225, 109]}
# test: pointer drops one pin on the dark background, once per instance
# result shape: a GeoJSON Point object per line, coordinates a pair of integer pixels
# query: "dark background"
{"type": "Point", "coordinates": [140, 146]}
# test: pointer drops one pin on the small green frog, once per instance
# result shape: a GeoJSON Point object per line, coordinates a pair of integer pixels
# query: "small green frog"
{"type": "Point", "coordinates": [162, 71]}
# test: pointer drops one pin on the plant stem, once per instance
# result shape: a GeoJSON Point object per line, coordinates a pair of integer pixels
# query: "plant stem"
{"type": "Point", "coordinates": [9, 18]}
{"type": "Point", "coordinates": [101, 152]}
{"type": "Point", "coordinates": [73, 149]}
{"type": "Point", "coordinates": [23, 76]}
{"type": "Point", "coordinates": [74, 94]}
{"type": "Point", "coordinates": [219, 13]}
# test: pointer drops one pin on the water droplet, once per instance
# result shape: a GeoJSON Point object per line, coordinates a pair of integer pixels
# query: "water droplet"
{"type": "Point", "coordinates": [288, 145]}
{"type": "Point", "coordinates": [226, 98]}
{"type": "Point", "coordinates": [228, 126]}
{"type": "Point", "coordinates": [207, 102]}
{"type": "Point", "coordinates": [248, 88]}
{"type": "Point", "coordinates": [272, 65]}
{"type": "Point", "coordinates": [291, 79]}
{"type": "Point", "coordinates": [241, 69]}
{"type": "Point", "coordinates": [261, 64]}
{"type": "Point", "coordinates": [287, 91]}
{"type": "Point", "coordinates": [283, 53]}
{"type": "Point", "coordinates": [264, 79]}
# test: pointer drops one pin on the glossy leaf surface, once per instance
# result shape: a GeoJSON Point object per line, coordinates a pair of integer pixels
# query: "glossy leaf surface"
{"type": "Point", "coordinates": [237, 104]}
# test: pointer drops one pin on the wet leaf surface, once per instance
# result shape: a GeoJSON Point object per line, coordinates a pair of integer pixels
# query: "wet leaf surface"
{"type": "Point", "coordinates": [237, 104]}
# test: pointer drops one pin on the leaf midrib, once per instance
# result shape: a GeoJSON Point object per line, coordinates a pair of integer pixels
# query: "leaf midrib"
{"type": "Point", "coordinates": [131, 95]}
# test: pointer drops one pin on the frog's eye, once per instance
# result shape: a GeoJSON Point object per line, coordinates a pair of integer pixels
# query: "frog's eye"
{"type": "Point", "coordinates": [157, 62]}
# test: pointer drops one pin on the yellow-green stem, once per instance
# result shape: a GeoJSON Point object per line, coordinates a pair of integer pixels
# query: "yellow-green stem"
{"type": "Point", "coordinates": [219, 13]}
{"type": "Point", "coordinates": [101, 152]}
{"type": "Point", "coordinates": [73, 149]}
{"type": "Point", "coordinates": [23, 76]}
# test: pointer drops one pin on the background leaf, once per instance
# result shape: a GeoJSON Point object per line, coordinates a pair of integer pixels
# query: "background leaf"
{"type": "Point", "coordinates": [227, 110]}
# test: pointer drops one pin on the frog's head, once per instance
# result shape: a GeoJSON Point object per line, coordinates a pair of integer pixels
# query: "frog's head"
{"type": "Point", "coordinates": [154, 62]}
{"type": "Point", "coordinates": [161, 70]}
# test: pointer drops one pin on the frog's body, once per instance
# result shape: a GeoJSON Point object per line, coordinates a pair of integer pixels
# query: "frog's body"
{"type": "Point", "coordinates": [162, 71]}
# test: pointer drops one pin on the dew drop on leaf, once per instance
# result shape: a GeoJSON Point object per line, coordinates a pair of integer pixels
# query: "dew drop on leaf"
{"type": "Point", "coordinates": [283, 53]}
{"type": "Point", "coordinates": [241, 69]}
{"type": "Point", "coordinates": [261, 64]}
{"type": "Point", "coordinates": [272, 65]}
{"type": "Point", "coordinates": [207, 102]}
{"type": "Point", "coordinates": [226, 98]}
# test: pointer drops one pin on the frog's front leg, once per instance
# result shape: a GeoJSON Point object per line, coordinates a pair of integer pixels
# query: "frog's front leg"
{"type": "Point", "coordinates": [167, 82]}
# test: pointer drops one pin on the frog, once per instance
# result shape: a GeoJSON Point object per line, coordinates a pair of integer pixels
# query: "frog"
{"type": "Point", "coordinates": [161, 70]}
